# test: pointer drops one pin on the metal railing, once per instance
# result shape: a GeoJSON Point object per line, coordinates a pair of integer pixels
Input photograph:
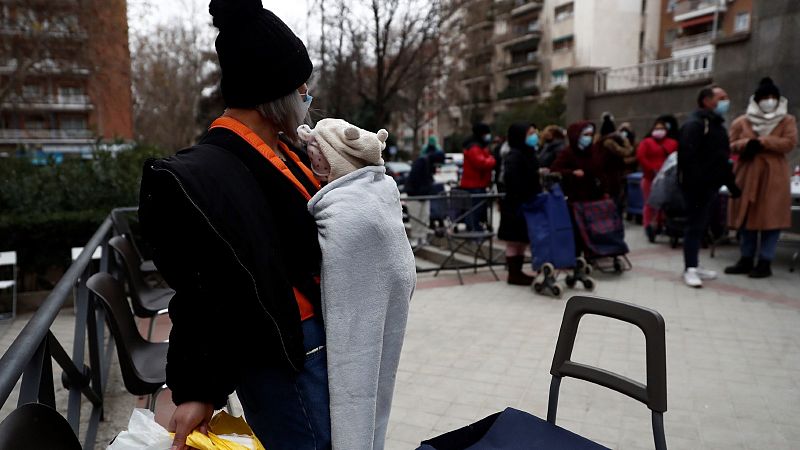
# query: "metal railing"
{"type": "Point", "coordinates": [75, 100]}
{"type": "Point", "coordinates": [46, 134]}
{"type": "Point", "coordinates": [30, 356]}
{"type": "Point", "coordinates": [689, 6]}
{"type": "Point", "coordinates": [696, 40]}
{"type": "Point", "coordinates": [655, 73]}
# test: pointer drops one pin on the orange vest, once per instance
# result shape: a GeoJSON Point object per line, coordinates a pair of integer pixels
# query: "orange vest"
{"type": "Point", "coordinates": [241, 130]}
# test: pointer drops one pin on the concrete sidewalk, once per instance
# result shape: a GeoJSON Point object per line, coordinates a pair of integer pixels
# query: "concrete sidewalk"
{"type": "Point", "coordinates": [733, 355]}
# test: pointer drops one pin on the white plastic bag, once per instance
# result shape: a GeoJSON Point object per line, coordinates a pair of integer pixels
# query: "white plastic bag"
{"type": "Point", "coordinates": [143, 434]}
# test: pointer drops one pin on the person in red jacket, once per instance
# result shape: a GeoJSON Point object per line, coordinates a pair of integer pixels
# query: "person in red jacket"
{"type": "Point", "coordinates": [478, 166]}
{"type": "Point", "coordinates": [652, 153]}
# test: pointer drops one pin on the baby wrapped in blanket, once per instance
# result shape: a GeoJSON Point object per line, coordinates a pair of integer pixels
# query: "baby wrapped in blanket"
{"type": "Point", "coordinates": [368, 277]}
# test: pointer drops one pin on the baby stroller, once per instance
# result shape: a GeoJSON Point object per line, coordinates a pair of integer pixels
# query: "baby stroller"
{"type": "Point", "coordinates": [602, 234]}
{"type": "Point", "coordinates": [553, 243]}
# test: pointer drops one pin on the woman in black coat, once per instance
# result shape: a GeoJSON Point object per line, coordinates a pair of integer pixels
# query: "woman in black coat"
{"type": "Point", "coordinates": [521, 177]}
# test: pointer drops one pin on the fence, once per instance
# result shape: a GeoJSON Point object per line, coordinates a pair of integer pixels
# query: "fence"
{"type": "Point", "coordinates": [655, 73]}
{"type": "Point", "coordinates": [30, 356]}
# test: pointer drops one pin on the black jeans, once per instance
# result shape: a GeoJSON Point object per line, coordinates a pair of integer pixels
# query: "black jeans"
{"type": "Point", "coordinates": [698, 213]}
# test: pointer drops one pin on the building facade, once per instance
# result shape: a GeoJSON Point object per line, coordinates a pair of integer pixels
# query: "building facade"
{"type": "Point", "coordinates": [65, 75]}
{"type": "Point", "coordinates": [689, 27]}
{"type": "Point", "coordinates": [506, 54]}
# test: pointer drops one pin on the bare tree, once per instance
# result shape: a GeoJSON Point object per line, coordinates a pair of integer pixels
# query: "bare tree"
{"type": "Point", "coordinates": [172, 66]}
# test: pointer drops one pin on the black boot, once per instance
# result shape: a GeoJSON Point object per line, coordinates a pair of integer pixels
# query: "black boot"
{"type": "Point", "coordinates": [743, 267]}
{"type": "Point", "coordinates": [515, 275]}
{"type": "Point", "coordinates": [762, 270]}
{"type": "Point", "coordinates": [651, 234]}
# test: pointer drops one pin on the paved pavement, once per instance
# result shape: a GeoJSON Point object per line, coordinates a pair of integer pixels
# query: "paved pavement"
{"type": "Point", "coordinates": [472, 350]}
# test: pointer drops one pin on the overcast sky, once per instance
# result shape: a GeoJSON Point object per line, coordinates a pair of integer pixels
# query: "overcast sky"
{"type": "Point", "coordinates": [144, 14]}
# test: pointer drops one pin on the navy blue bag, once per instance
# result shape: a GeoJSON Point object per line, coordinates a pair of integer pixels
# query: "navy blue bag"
{"type": "Point", "coordinates": [510, 430]}
{"type": "Point", "coordinates": [550, 230]}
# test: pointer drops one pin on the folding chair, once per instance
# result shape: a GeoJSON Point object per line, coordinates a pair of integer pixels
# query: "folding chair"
{"type": "Point", "coordinates": [143, 363]}
{"type": "Point", "coordinates": [460, 205]}
{"type": "Point", "coordinates": [148, 302]}
{"type": "Point", "coordinates": [123, 227]}
{"type": "Point", "coordinates": [9, 259]}
{"type": "Point", "coordinates": [513, 429]}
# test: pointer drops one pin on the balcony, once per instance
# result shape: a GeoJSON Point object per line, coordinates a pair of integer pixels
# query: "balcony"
{"type": "Point", "coordinates": [516, 93]}
{"type": "Point", "coordinates": [49, 103]}
{"type": "Point", "coordinates": [656, 73]}
{"type": "Point", "coordinates": [516, 67]}
{"type": "Point", "coordinates": [523, 38]}
{"type": "Point", "coordinates": [16, 136]}
{"type": "Point", "coordinates": [696, 40]}
{"type": "Point", "coordinates": [525, 6]}
{"type": "Point", "coordinates": [690, 9]}
{"type": "Point", "coordinates": [47, 67]}
{"type": "Point", "coordinates": [61, 34]}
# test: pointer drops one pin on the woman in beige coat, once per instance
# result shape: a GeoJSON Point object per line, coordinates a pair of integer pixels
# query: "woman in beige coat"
{"type": "Point", "coordinates": [763, 138]}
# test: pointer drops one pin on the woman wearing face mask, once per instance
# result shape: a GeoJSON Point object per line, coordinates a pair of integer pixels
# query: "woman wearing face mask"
{"type": "Point", "coordinates": [763, 138]}
{"type": "Point", "coordinates": [231, 233]}
{"type": "Point", "coordinates": [521, 176]}
{"type": "Point", "coordinates": [651, 154]}
{"type": "Point", "coordinates": [583, 165]}
{"type": "Point", "coordinates": [478, 166]}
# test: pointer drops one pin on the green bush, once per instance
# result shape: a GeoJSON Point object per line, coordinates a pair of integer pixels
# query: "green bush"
{"type": "Point", "coordinates": [46, 210]}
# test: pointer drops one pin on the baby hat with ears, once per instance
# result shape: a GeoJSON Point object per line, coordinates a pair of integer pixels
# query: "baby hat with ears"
{"type": "Point", "coordinates": [346, 147]}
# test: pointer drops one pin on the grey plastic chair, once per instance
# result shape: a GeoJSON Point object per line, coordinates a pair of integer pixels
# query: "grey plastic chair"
{"type": "Point", "coordinates": [143, 363]}
{"type": "Point", "coordinates": [34, 426]}
{"type": "Point", "coordinates": [123, 227]}
{"type": "Point", "coordinates": [148, 302]}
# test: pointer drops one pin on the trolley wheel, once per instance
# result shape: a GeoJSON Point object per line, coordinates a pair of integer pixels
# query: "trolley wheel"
{"type": "Point", "coordinates": [570, 280]}
{"type": "Point", "coordinates": [580, 263]}
{"type": "Point", "coordinates": [589, 284]}
{"type": "Point", "coordinates": [588, 270]}
{"type": "Point", "coordinates": [557, 291]}
{"type": "Point", "coordinates": [538, 287]}
{"type": "Point", "coordinates": [548, 270]}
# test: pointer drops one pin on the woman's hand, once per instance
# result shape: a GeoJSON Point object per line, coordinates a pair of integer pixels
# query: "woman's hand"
{"type": "Point", "coordinates": [188, 417]}
{"type": "Point", "coordinates": [579, 173]}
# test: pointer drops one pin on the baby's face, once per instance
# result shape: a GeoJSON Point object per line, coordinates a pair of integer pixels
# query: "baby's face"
{"type": "Point", "coordinates": [319, 164]}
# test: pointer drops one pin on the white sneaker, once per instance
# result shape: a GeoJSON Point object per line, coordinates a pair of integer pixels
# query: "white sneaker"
{"type": "Point", "coordinates": [692, 278]}
{"type": "Point", "coordinates": [706, 274]}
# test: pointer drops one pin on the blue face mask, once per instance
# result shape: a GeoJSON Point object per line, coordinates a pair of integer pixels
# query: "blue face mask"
{"type": "Point", "coordinates": [722, 107]}
{"type": "Point", "coordinates": [584, 142]}
{"type": "Point", "coordinates": [306, 104]}
{"type": "Point", "coordinates": [532, 141]}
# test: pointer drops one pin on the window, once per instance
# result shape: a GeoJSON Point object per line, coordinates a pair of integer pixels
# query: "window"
{"type": "Point", "coordinates": [565, 11]}
{"type": "Point", "coordinates": [73, 123]}
{"type": "Point", "coordinates": [742, 22]}
{"type": "Point", "coordinates": [671, 5]}
{"type": "Point", "coordinates": [31, 91]}
{"type": "Point", "coordinates": [670, 36]}
{"type": "Point", "coordinates": [559, 77]}
{"type": "Point", "coordinates": [563, 44]}
{"type": "Point", "coordinates": [70, 91]}
{"type": "Point", "coordinates": [34, 123]}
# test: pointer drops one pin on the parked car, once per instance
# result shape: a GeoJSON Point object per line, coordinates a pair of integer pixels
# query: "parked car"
{"type": "Point", "coordinates": [399, 172]}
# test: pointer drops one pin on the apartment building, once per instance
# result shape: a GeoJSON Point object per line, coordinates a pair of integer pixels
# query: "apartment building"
{"type": "Point", "coordinates": [65, 75]}
{"type": "Point", "coordinates": [689, 27]}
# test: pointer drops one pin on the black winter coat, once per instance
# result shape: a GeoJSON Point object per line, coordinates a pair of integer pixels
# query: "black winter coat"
{"type": "Point", "coordinates": [521, 169]}
{"type": "Point", "coordinates": [704, 154]}
{"type": "Point", "coordinates": [232, 236]}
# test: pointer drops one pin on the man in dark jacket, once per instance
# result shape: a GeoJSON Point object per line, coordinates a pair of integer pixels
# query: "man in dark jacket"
{"type": "Point", "coordinates": [420, 182]}
{"type": "Point", "coordinates": [231, 233]}
{"type": "Point", "coordinates": [704, 167]}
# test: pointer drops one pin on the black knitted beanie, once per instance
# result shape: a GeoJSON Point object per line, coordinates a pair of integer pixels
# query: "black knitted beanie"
{"type": "Point", "coordinates": [766, 88]}
{"type": "Point", "coordinates": [261, 58]}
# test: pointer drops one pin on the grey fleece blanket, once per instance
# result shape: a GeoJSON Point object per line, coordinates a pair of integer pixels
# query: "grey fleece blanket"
{"type": "Point", "coordinates": [368, 278]}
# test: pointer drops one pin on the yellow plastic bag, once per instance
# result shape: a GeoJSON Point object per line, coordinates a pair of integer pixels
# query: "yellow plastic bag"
{"type": "Point", "coordinates": [225, 433]}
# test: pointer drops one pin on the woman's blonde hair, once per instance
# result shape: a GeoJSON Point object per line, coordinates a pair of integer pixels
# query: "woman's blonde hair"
{"type": "Point", "coordinates": [286, 114]}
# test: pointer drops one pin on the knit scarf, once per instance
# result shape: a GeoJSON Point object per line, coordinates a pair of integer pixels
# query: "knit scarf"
{"type": "Point", "coordinates": [763, 123]}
